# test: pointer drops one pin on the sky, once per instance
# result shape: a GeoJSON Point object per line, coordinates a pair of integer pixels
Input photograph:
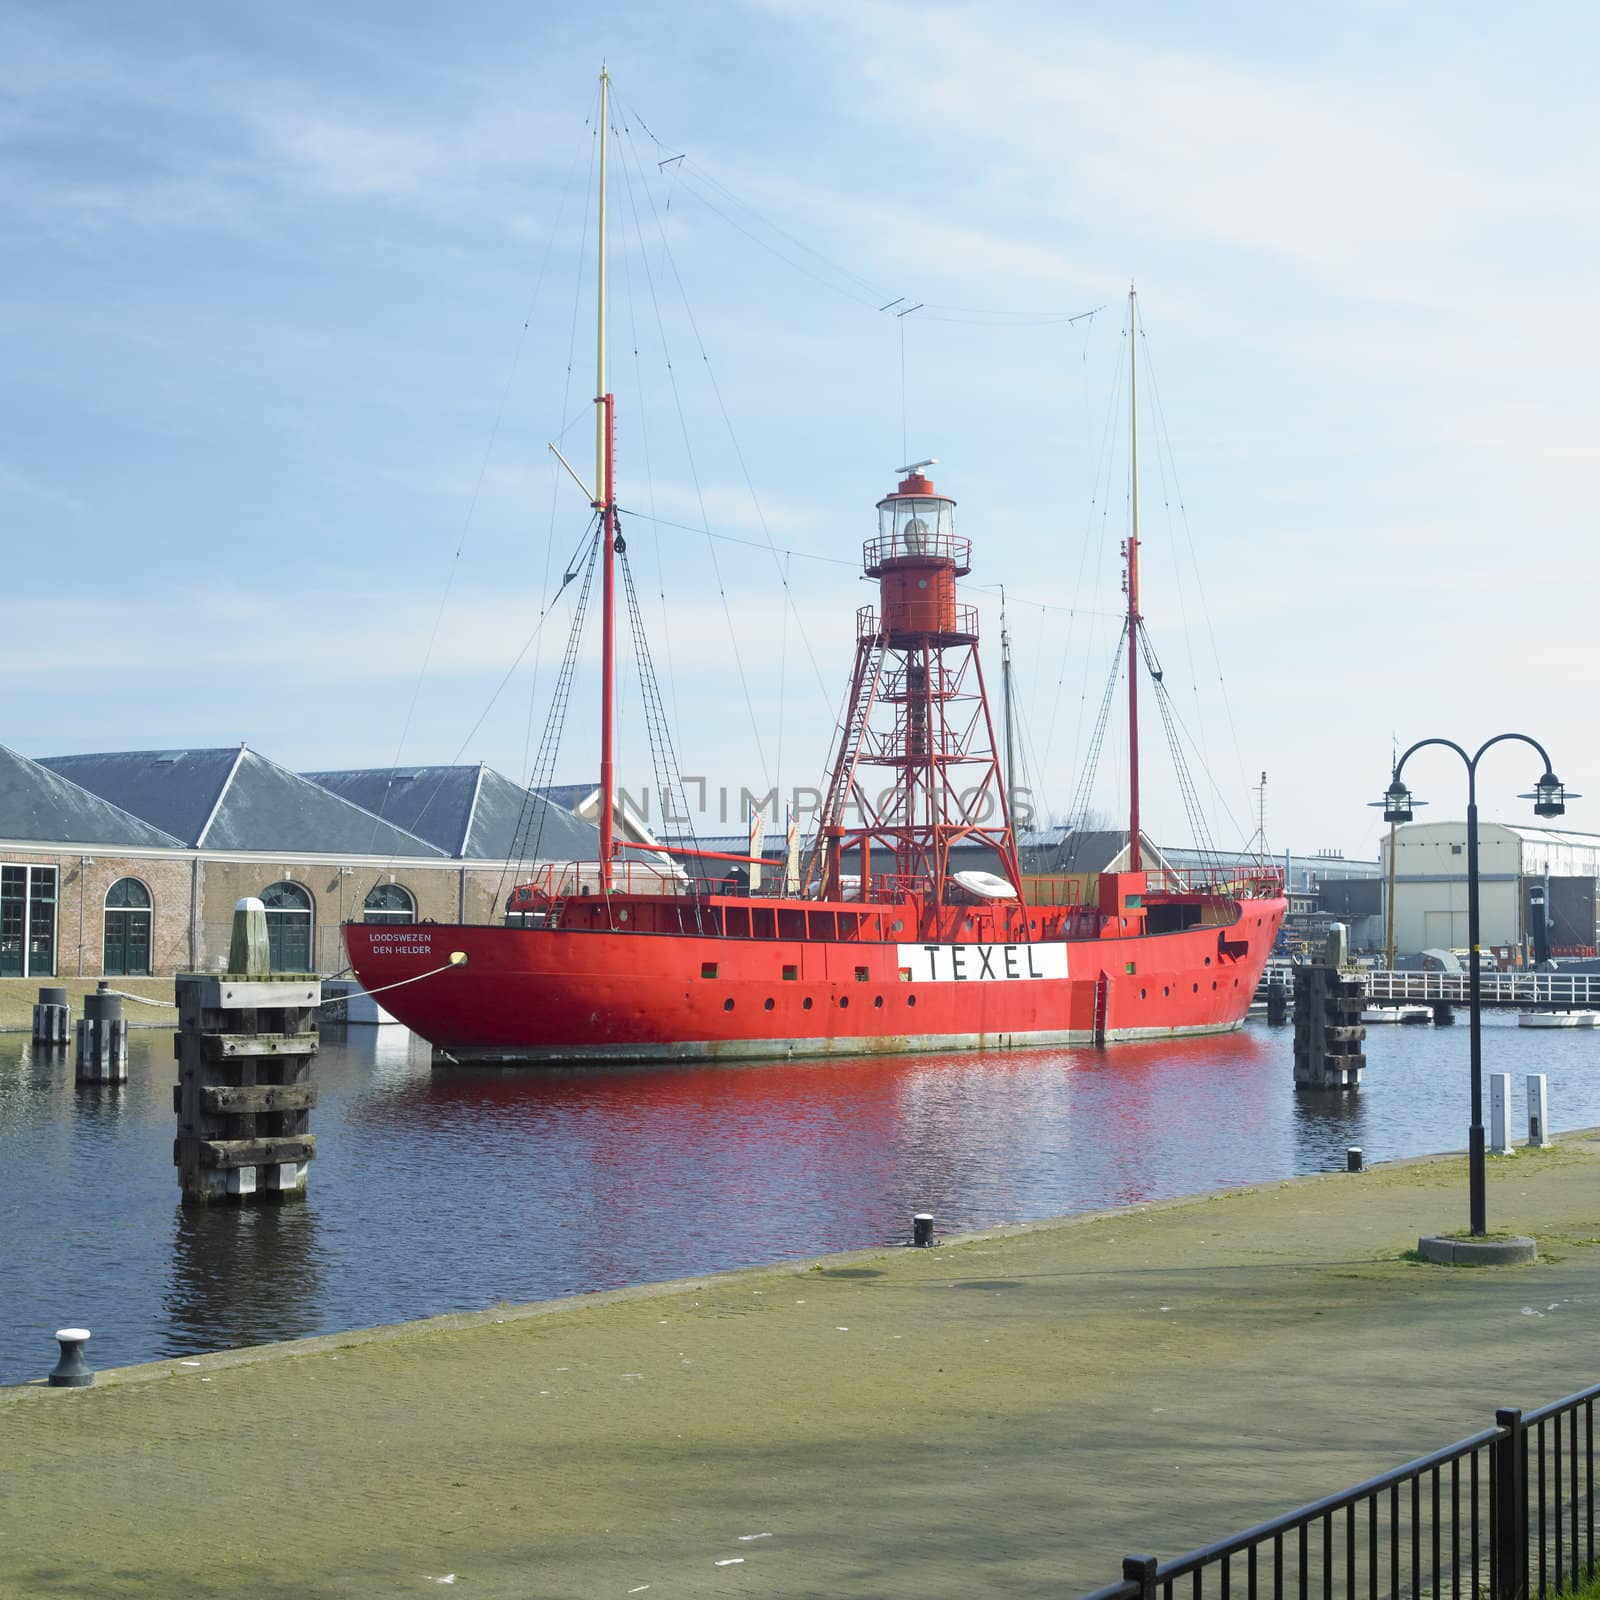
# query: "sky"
{"type": "Point", "coordinates": [294, 299]}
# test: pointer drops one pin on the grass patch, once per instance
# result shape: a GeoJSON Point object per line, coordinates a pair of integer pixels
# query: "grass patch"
{"type": "Point", "coordinates": [18, 995]}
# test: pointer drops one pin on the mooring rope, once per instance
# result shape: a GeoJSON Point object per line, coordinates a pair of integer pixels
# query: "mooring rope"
{"type": "Point", "coordinates": [458, 958]}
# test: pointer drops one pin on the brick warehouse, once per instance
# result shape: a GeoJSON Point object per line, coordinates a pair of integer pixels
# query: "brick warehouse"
{"type": "Point", "coordinates": [131, 863]}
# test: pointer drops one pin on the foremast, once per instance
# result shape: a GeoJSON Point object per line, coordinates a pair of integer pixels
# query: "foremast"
{"type": "Point", "coordinates": [605, 503]}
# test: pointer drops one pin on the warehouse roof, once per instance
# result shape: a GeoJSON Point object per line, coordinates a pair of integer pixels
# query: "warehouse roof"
{"type": "Point", "coordinates": [468, 812]}
{"type": "Point", "coordinates": [38, 804]}
{"type": "Point", "coordinates": [235, 799]}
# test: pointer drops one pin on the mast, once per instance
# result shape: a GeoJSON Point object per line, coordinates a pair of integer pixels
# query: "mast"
{"type": "Point", "coordinates": [606, 505]}
{"type": "Point", "coordinates": [1132, 586]}
{"type": "Point", "coordinates": [1010, 716]}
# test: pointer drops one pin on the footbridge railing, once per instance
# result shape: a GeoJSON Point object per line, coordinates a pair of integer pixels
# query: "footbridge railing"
{"type": "Point", "coordinates": [1538, 989]}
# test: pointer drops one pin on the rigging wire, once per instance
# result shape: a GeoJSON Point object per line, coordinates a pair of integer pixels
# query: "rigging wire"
{"type": "Point", "coordinates": [694, 472]}
{"type": "Point", "coordinates": [854, 287]}
{"type": "Point", "coordinates": [1078, 815]}
{"type": "Point", "coordinates": [1099, 501]}
{"type": "Point", "coordinates": [1183, 513]}
{"type": "Point", "coordinates": [1180, 766]}
{"type": "Point", "coordinates": [733, 437]}
{"type": "Point", "coordinates": [664, 758]}
{"type": "Point", "coordinates": [471, 510]}
{"type": "Point", "coordinates": [525, 833]}
{"type": "Point", "coordinates": [642, 410]}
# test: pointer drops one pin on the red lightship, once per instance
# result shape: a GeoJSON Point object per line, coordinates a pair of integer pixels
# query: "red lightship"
{"type": "Point", "coordinates": [882, 944]}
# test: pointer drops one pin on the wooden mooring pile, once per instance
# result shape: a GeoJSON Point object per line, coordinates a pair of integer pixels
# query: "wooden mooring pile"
{"type": "Point", "coordinates": [1329, 1034]}
{"type": "Point", "coordinates": [246, 1039]}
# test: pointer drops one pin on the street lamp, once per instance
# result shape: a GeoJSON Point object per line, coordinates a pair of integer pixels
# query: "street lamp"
{"type": "Point", "coordinates": [1550, 798]}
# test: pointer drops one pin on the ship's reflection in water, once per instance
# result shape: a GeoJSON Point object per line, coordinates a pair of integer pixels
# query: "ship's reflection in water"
{"type": "Point", "coordinates": [435, 1191]}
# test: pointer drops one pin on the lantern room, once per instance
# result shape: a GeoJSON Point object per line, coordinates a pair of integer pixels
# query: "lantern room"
{"type": "Point", "coordinates": [916, 559]}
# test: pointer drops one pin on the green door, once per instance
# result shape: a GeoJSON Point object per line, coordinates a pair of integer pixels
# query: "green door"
{"type": "Point", "coordinates": [126, 952]}
{"type": "Point", "coordinates": [288, 927]}
{"type": "Point", "coordinates": [13, 920]}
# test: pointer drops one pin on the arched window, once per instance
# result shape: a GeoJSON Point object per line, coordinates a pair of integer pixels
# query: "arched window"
{"type": "Point", "coordinates": [126, 951]}
{"type": "Point", "coordinates": [388, 902]}
{"type": "Point", "coordinates": [288, 926]}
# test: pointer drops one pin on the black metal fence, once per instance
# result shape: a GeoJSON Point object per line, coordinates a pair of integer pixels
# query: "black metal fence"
{"type": "Point", "coordinates": [1508, 1513]}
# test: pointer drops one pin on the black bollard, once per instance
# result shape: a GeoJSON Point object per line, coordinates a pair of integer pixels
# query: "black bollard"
{"type": "Point", "coordinates": [1277, 1003]}
{"type": "Point", "coordinates": [71, 1371]}
{"type": "Point", "coordinates": [102, 1038]}
{"type": "Point", "coordinates": [52, 1019]}
{"type": "Point", "coordinates": [1352, 1158]}
{"type": "Point", "coordinates": [922, 1229]}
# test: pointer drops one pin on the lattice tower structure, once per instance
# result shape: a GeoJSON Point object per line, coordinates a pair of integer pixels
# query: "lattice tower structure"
{"type": "Point", "coordinates": [918, 770]}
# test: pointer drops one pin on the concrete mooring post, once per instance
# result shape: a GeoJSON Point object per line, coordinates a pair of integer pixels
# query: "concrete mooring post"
{"type": "Point", "coordinates": [102, 1038]}
{"type": "Point", "coordinates": [1500, 1114]}
{"type": "Point", "coordinates": [1538, 1111]}
{"type": "Point", "coordinates": [1328, 1031]}
{"type": "Point", "coordinates": [244, 1094]}
{"type": "Point", "coordinates": [52, 1017]}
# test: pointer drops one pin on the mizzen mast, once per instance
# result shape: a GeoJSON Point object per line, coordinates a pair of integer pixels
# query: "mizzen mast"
{"type": "Point", "coordinates": [1131, 584]}
{"type": "Point", "coordinates": [606, 505]}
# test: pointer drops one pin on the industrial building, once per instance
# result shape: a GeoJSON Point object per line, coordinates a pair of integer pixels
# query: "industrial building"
{"type": "Point", "coordinates": [1430, 887]}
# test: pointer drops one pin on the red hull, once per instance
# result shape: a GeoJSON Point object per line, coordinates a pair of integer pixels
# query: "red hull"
{"type": "Point", "coordinates": [576, 994]}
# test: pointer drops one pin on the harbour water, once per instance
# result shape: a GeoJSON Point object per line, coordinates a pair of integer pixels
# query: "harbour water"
{"type": "Point", "coordinates": [447, 1191]}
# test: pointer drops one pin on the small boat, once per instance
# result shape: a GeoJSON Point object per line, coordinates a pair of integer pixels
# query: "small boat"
{"type": "Point", "coordinates": [1558, 1019]}
{"type": "Point", "coordinates": [1413, 1016]}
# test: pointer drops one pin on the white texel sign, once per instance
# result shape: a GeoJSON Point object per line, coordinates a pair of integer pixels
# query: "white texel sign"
{"type": "Point", "coordinates": [983, 963]}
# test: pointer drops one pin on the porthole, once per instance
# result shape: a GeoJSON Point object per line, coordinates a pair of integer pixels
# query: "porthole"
{"type": "Point", "coordinates": [727, 1005]}
{"type": "Point", "coordinates": [911, 999]}
{"type": "Point", "coordinates": [844, 1002]}
{"type": "Point", "coordinates": [805, 1005]}
{"type": "Point", "coordinates": [1208, 961]}
{"type": "Point", "coordinates": [1141, 994]}
{"type": "Point", "coordinates": [623, 914]}
{"type": "Point", "coordinates": [1197, 988]}
{"type": "Point", "coordinates": [878, 1002]}
{"type": "Point", "coordinates": [769, 1003]}
{"type": "Point", "coordinates": [1165, 990]}
{"type": "Point", "coordinates": [1213, 983]}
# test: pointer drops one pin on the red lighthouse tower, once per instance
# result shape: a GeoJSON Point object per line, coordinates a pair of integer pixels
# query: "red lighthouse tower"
{"type": "Point", "coordinates": [916, 771]}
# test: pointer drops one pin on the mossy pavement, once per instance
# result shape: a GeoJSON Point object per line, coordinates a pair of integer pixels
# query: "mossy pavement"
{"type": "Point", "coordinates": [1005, 1415]}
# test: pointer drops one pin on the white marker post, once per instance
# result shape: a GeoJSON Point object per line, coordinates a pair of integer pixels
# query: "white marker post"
{"type": "Point", "coordinates": [1500, 1114]}
{"type": "Point", "coordinates": [1538, 1111]}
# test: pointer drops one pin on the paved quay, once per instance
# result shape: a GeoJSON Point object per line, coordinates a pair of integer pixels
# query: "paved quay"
{"type": "Point", "coordinates": [1008, 1414]}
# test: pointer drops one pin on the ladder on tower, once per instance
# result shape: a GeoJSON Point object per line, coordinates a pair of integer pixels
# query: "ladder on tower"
{"type": "Point", "coordinates": [864, 696]}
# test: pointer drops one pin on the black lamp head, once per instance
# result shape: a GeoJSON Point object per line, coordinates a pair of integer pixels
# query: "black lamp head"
{"type": "Point", "coordinates": [1549, 797]}
{"type": "Point", "coordinates": [1397, 803]}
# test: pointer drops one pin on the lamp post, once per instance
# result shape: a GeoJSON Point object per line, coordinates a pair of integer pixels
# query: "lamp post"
{"type": "Point", "coordinates": [1549, 798]}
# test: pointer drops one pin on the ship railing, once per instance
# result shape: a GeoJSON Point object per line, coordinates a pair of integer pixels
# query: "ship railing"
{"type": "Point", "coordinates": [963, 623]}
{"type": "Point", "coordinates": [560, 880]}
{"type": "Point", "coordinates": [928, 544]}
{"type": "Point", "coordinates": [1224, 880]}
